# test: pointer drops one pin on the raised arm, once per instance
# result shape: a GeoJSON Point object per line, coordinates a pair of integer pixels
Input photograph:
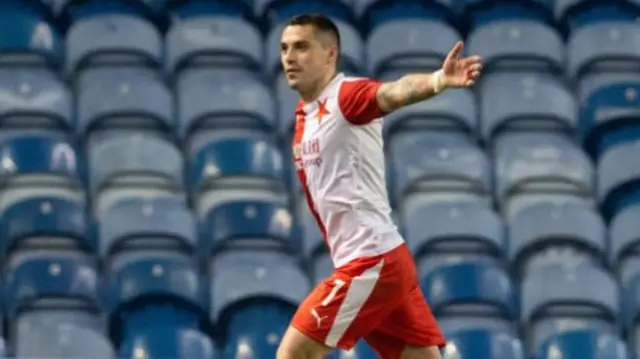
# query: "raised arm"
{"type": "Point", "coordinates": [412, 88]}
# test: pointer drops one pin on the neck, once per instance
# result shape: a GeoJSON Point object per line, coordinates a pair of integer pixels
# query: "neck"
{"type": "Point", "coordinates": [316, 90]}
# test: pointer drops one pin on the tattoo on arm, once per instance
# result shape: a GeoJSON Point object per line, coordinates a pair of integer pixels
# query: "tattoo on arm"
{"type": "Point", "coordinates": [405, 91]}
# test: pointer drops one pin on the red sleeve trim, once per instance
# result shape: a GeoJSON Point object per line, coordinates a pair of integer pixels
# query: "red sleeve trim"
{"type": "Point", "coordinates": [358, 101]}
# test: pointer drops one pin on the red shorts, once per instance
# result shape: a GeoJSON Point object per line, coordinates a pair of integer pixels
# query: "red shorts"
{"type": "Point", "coordinates": [375, 298]}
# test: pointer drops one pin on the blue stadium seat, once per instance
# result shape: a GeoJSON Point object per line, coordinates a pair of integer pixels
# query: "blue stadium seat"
{"type": "Point", "coordinates": [186, 10]}
{"type": "Point", "coordinates": [519, 102]}
{"type": "Point", "coordinates": [477, 13]}
{"type": "Point", "coordinates": [113, 40]}
{"type": "Point", "coordinates": [536, 167]}
{"type": "Point", "coordinates": [453, 110]}
{"type": "Point", "coordinates": [408, 45]}
{"type": "Point", "coordinates": [449, 228]}
{"type": "Point", "coordinates": [123, 99]}
{"type": "Point", "coordinates": [609, 113]}
{"type": "Point", "coordinates": [604, 47]}
{"type": "Point", "coordinates": [54, 288]}
{"type": "Point", "coordinates": [28, 41]}
{"type": "Point", "coordinates": [287, 102]}
{"type": "Point", "coordinates": [246, 166]}
{"type": "Point", "coordinates": [624, 240]}
{"type": "Point", "coordinates": [57, 340]}
{"type": "Point", "coordinates": [351, 59]}
{"type": "Point", "coordinates": [169, 342]}
{"type": "Point", "coordinates": [552, 233]}
{"type": "Point", "coordinates": [34, 98]}
{"type": "Point", "coordinates": [514, 45]}
{"type": "Point", "coordinates": [479, 343]}
{"type": "Point", "coordinates": [153, 292]}
{"type": "Point", "coordinates": [39, 164]}
{"type": "Point", "coordinates": [573, 15]}
{"type": "Point", "coordinates": [274, 12]}
{"type": "Point", "coordinates": [214, 41]}
{"type": "Point", "coordinates": [577, 298]}
{"type": "Point", "coordinates": [471, 295]}
{"type": "Point", "coordinates": [313, 242]}
{"type": "Point", "coordinates": [136, 224]}
{"type": "Point", "coordinates": [248, 224]}
{"type": "Point", "coordinates": [133, 164]}
{"type": "Point", "coordinates": [374, 13]}
{"type": "Point", "coordinates": [74, 12]}
{"type": "Point", "coordinates": [210, 99]}
{"type": "Point", "coordinates": [631, 314]}
{"type": "Point", "coordinates": [619, 178]}
{"type": "Point", "coordinates": [45, 223]}
{"type": "Point", "coordinates": [437, 165]}
{"type": "Point", "coordinates": [254, 296]}
{"type": "Point", "coordinates": [583, 344]}
{"type": "Point", "coordinates": [322, 267]}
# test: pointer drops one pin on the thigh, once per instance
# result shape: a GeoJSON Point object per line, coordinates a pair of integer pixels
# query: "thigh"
{"type": "Point", "coordinates": [347, 305]}
{"type": "Point", "coordinates": [410, 324]}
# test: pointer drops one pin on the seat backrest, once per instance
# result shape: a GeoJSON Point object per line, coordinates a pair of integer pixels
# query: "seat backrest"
{"type": "Point", "coordinates": [474, 343]}
{"type": "Point", "coordinates": [34, 98]}
{"type": "Point", "coordinates": [587, 344]}
{"type": "Point", "coordinates": [113, 40]}
{"type": "Point", "coordinates": [63, 341]}
{"type": "Point", "coordinates": [123, 98]}
{"type": "Point", "coordinates": [623, 234]}
{"type": "Point", "coordinates": [165, 342]}
{"type": "Point", "coordinates": [617, 172]}
{"type": "Point", "coordinates": [29, 41]}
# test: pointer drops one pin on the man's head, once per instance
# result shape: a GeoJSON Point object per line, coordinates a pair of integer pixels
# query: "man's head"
{"type": "Point", "coordinates": [309, 51]}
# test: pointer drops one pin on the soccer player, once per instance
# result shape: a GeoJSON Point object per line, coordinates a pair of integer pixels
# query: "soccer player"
{"type": "Point", "coordinates": [374, 293]}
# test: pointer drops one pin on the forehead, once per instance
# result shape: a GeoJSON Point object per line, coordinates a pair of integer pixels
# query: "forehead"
{"type": "Point", "coordinates": [296, 33]}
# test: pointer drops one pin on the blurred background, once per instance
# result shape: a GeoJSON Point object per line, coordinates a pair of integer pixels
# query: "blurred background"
{"type": "Point", "coordinates": [149, 210]}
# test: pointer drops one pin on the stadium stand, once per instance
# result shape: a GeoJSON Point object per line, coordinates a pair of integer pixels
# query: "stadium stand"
{"type": "Point", "coordinates": [148, 208]}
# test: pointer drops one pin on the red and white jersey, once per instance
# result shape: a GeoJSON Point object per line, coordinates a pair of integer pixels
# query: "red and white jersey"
{"type": "Point", "coordinates": [339, 157]}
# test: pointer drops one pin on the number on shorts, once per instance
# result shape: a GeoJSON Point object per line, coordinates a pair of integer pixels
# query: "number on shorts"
{"type": "Point", "coordinates": [337, 284]}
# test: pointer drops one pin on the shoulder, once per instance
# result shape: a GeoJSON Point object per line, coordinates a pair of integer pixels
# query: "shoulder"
{"type": "Point", "coordinates": [357, 99]}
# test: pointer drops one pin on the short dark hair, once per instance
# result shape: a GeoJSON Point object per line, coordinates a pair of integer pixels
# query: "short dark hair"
{"type": "Point", "coordinates": [320, 22]}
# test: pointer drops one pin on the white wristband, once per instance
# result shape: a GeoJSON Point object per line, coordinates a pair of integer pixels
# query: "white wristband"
{"type": "Point", "coordinates": [438, 82]}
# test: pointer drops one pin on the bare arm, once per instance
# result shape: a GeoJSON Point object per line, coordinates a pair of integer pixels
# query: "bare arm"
{"type": "Point", "coordinates": [409, 89]}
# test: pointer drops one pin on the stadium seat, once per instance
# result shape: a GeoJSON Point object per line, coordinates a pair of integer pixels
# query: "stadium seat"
{"type": "Point", "coordinates": [374, 13]}
{"type": "Point", "coordinates": [136, 165]}
{"type": "Point", "coordinates": [313, 242]}
{"type": "Point", "coordinates": [583, 344]}
{"type": "Point", "coordinates": [474, 14]}
{"type": "Point", "coordinates": [560, 234]}
{"type": "Point", "coordinates": [213, 41]}
{"type": "Point", "coordinates": [51, 288]}
{"type": "Point", "coordinates": [583, 297]}
{"type": "Point", "coordinates": [254, 296]}
{"type": "Point", "coordinates": [186, 10]}
{"type": "Point", "coordinates": [275, 12]}
{"type": "Point", "coordinates": [351, 59]}
{"type": "Point", "coordinates": [248, 224]}
{"type": "Point", "coordinates": [604, 47]}
{"type": "Point", "coordinates": [322, 267]}
{"type": "Point", "coordinates": [535, 167]}
{"type": "Point", "coordinates": [73, 12]}
{"type": "Point", "coordinates": [169, 342]}
{"type": "Point", "coordinates": [609, 113]}
{"type": "Point", "coordinates": [149, 293]}
{"type": "Point", "coordinates": [45, 223]}
{"type": "Point", "coordinates": [235, 166]}
{"type": "Point", "coordinates": [511, 102]}
{"type": "Point", "coordinates": [59, 340]}
{"type": "Point", "coordinates": [631, 318]}
{"type": "Point", "coordinates": [212, 99]}
{"type": "Point", "coordinates": [479, 343]}
{"type": "Point", "coordinates": [151, 224]}
{"type": "Point", "coordinates": [113, 41]}
{"type": "Point", "coordinates": [514, 45]}
{"type": "Point", "coordinates": [39, 164]}
{"type": "Point", "coordinates": [287, 103]}
{"type": "Point", "coordinates": [624, 240]}
{"type": "Point", "coordinates": [437, 230]}
{"type": "Point", "coordinates": [34, 98]}
{"type": "Point", "coordinates": [437, 165]}
{"type": "Point", "coordinates": [471, 295]}
{"type": "Point", "coordinates": [408, 45]}
{"type": "Point", "coordinates": [453, 110]}
{"type": "Point", "coordinates": [573, 15]}
{"type": "Point", "coordinates": [123, 99]}
{"type": "Point", "coordinates": [28, 41]}
{"type": "Point", "coordinates": [618, 178]}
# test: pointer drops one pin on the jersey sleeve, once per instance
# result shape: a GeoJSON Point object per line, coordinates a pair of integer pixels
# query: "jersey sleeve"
{"type": "Point", "coordinates": [358, 102]}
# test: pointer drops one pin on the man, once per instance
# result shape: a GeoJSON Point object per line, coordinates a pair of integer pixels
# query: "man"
{"type": "Point", "coordinates": [373, 294]}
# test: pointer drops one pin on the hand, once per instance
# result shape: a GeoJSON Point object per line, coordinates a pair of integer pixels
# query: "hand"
{"type": "Point", "coordinates": [460, 73]}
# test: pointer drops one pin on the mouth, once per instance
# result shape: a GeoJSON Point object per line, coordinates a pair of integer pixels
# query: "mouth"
{"type": "Point", "coordinates": [292, 71]}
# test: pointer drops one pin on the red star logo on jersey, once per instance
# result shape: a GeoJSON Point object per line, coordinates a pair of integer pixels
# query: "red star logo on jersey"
{"type": "Point", "coordinates": [322, 110]}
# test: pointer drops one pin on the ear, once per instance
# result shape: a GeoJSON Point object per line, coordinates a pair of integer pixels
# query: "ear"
{"type": "Point", "coordinates": [334, 54]}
